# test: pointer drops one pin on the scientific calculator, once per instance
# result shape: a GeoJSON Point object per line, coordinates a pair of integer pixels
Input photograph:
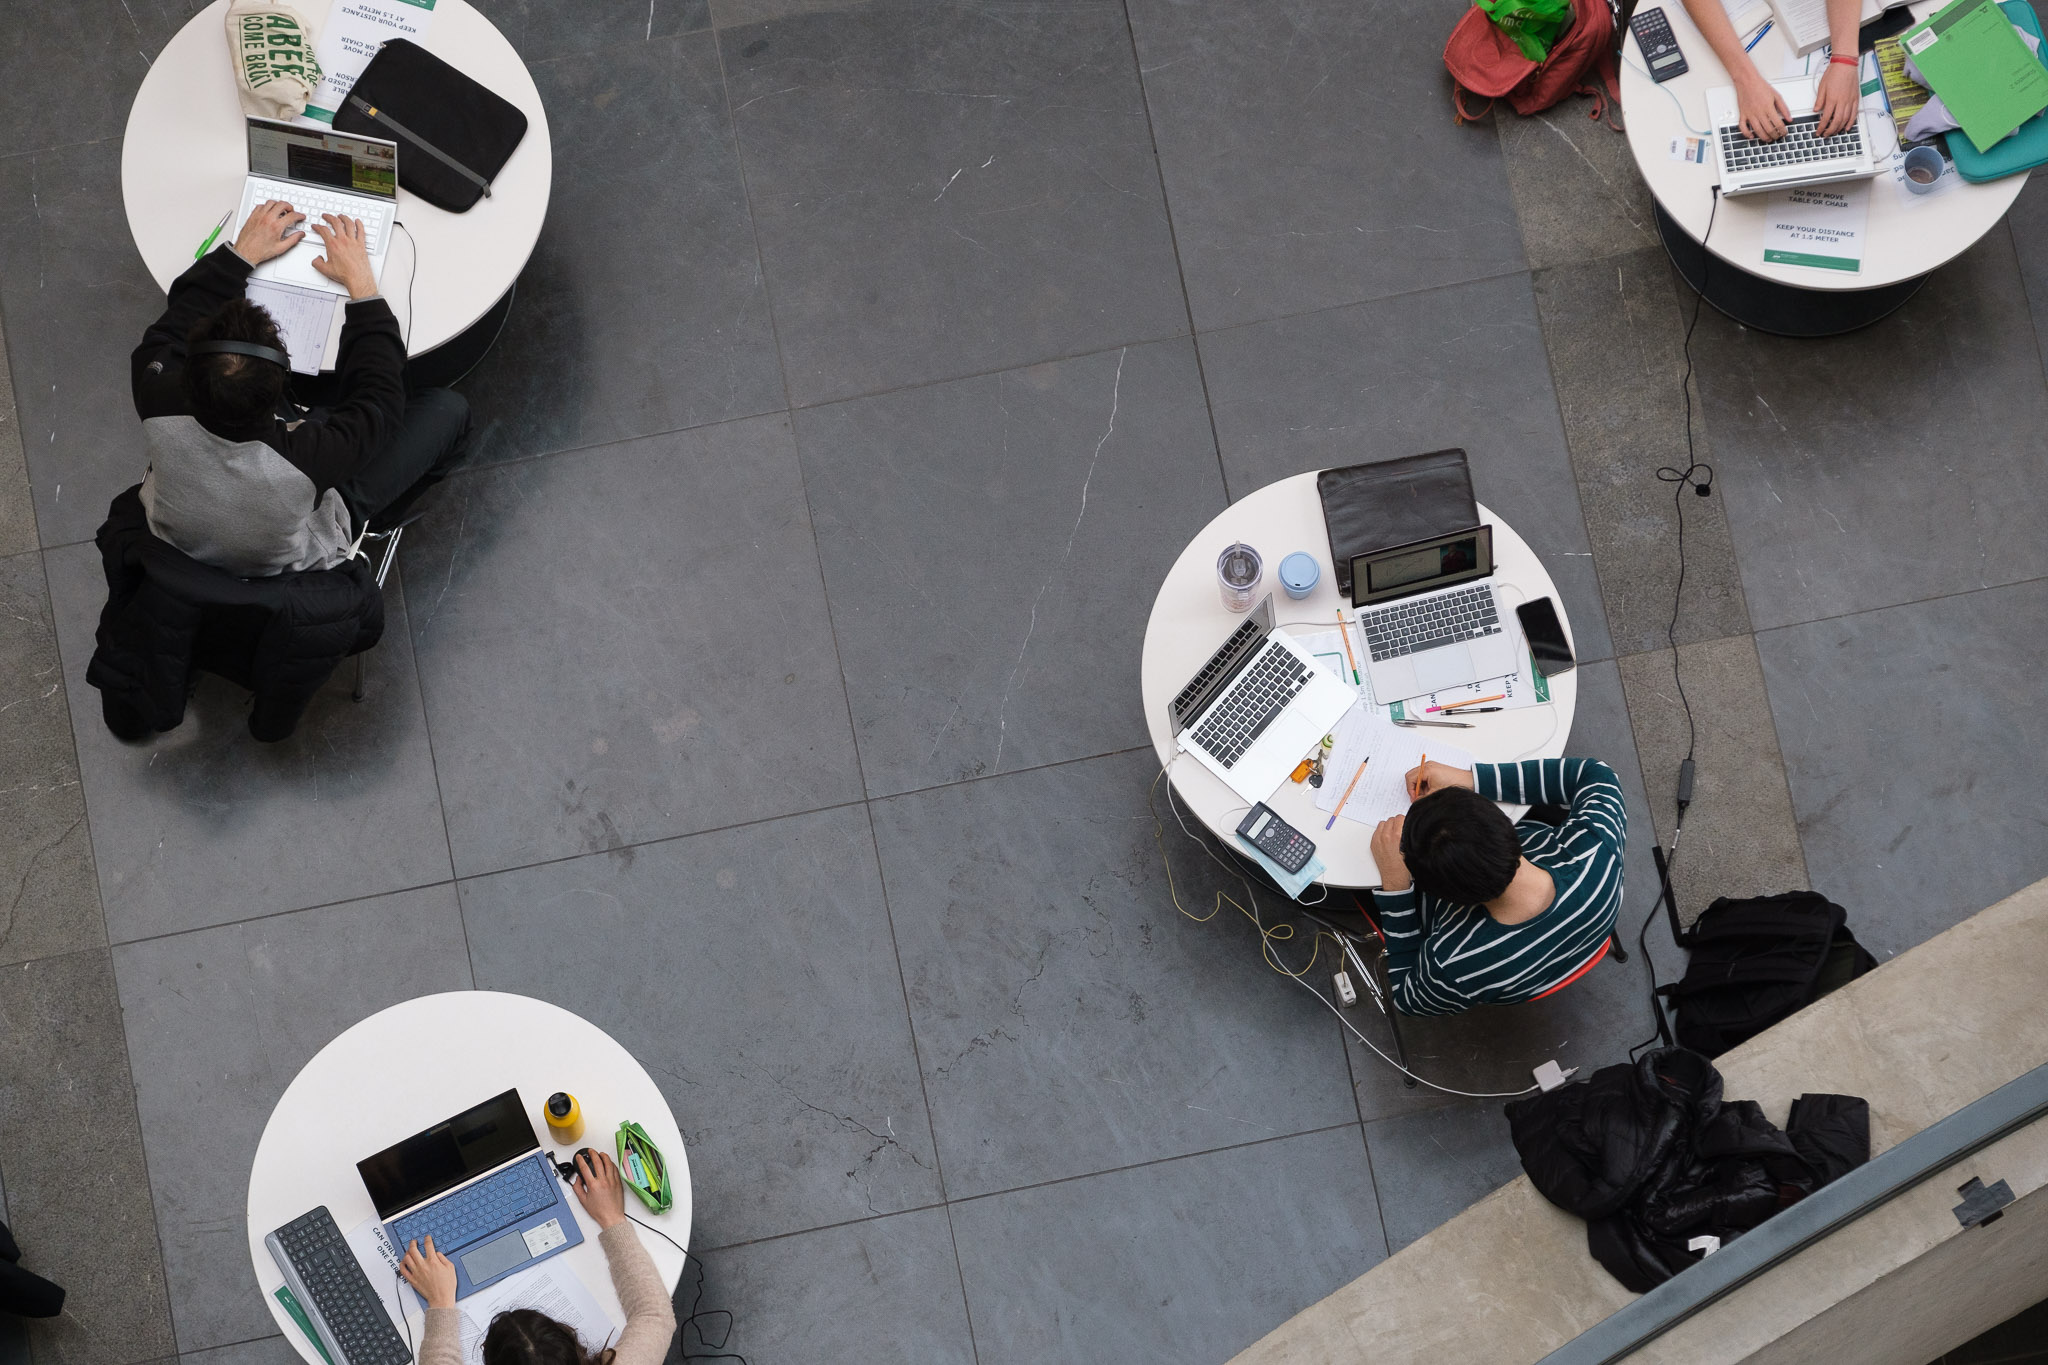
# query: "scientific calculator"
{"type": "Point", "coordinates": [1274, 837]}
{"type": "Point", "coordinates": [1659, 44]}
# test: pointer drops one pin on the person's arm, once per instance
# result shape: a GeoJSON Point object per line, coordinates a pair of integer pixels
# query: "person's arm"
{"type": "Point", "coordinates": [650, 1318]}
{"type": "Point", "coordinates": [1763, 109]}
{"type": "Point", "coordinates": [370, 372]}
{"type": "Point", "coordinates": [1415, 988]}
{"type": "Point", "coordinates": [432, 1277]}
{"type": "Point", "coordinates": [1840, 92]}
{"type": "Point", "coordinates": [155, 369]}
{"type": "Point", "coordinates": [1587, 787]}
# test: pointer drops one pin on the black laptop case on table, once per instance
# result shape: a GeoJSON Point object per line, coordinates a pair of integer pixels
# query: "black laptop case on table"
{"type": "Point", "coordinates": [1374, 507]}
{"type": "Point", "coordinates": [453, 135]}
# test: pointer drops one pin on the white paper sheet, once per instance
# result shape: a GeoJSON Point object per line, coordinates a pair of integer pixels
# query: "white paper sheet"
{"type": "Point", "coordinates": [1363, 735]}
{"type": "Point", "coordinates": [1328, 648]}
{"type": "Point", "coordinates": [1818, 226]}
{"type": "Point", "coordinates": [354, 30]}
{"type": "Point", "coordinates": [303, 316]}
{"type": "Point", "coordinates": [554, 1289]}
{"type": "Point", "coordinates": [1513, 691]}
{"type": "Point", "coordinates": [380, 1263]}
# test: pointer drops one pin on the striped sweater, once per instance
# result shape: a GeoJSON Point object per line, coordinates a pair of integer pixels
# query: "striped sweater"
{"type": "Point", "coordinates": [1443, 958]}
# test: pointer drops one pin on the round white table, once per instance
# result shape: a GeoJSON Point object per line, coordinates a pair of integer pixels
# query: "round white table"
{"type": "Point", "coordinates": [409, 1067]}
{"type": "Point", "coordinates": [1189, 621]}
{"type": "Point", "coordinates": [184, 158]}
{"type": "Point", "coordinates": [1904, 239]}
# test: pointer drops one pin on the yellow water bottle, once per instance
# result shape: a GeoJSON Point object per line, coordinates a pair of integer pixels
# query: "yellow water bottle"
{"type": "Point", "coordinates": [565, 1119]}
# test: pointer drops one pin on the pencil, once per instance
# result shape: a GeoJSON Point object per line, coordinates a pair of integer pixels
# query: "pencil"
{"type": "Point", "coordinates": [1472, 710]}
{"type": "Point", "coordinates": [1474, 702]}
{"type": "Point", "coordinates": [1347, 793]}
{"type": "Point", "coordinates": [1420, 769]}
{"type": "Point", "coordinates": [1345, 636]}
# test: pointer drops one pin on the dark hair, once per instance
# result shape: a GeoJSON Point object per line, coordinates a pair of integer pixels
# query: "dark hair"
{"type": "Point", "coordinates": [527, 1336]}
{"type": "Point", "coordinates": [1459, 846]}
{"type": "Point", "coordinates": [234, 390]}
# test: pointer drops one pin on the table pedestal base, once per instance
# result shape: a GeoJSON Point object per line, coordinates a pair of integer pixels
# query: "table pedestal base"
{"type": "Point", "coordinates": [1769, 306]}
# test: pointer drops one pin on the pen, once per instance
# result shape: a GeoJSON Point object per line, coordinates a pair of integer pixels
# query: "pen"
{"type": "Point", "coordinates": [1345, 636]}
{"type": "Point", "coordinates": [1347, 792]}
{"type": "Point", "coordinates": [1472, 710]}
{"type": "Point", "coordinates": [207, 245]}
{"type": "Point", "coordinates": [1452, 706]}
{"type": "Point", "coordinates": [1758, 36]}
{"type": "Point", "coordinates": [1439, 724]}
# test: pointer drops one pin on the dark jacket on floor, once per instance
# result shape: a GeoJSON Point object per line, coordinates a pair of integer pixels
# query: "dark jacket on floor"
{"type": "Point", "coordinates": [167, 614]}
{"type": "Point", "coordinates": [1651, 1156]}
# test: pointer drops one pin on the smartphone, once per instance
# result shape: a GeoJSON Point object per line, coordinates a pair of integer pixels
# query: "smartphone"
{"type": "Point", "coordinates": [1545, 634]}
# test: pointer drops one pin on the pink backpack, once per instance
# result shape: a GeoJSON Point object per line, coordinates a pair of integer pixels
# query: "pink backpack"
{"type": "Point", "coordinates": [1484, 61]}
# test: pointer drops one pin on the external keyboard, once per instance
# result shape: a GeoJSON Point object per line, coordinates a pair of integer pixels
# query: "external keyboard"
{"type": "Point", "coordinates": [483, 1208]}
{"type": "Point", "coordinates": [1425, 622]}
{"type": "Point", "coordinates": [375, 213]}
{"type": "Point", "coordinates": [1275, 678]}
{"type": "Point", "coordinates": [1798, 147]}
{"type": "Point", "coordinates": [320, 1267]}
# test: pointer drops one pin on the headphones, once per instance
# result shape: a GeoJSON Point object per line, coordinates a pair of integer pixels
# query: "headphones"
{"type": "Point", "coordinates": [248, 348]}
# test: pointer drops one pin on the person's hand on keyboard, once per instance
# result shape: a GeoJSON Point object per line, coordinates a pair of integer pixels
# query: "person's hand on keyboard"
{"type": "Point", "coordinates": [271, 230]}
{"type": "Point", "coordinates": [598, 1185]}
{"type": "Point", "coordinates": [347, 261]}
{"type": "Point", "coordinates": [1764, 110]}
{"type": "Point", "coordinates": [1836, 99]}
{"type": "Point", "coordinates": [430, 1273]}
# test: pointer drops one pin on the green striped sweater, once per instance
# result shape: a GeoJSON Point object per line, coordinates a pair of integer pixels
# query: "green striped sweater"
{"type": "Point", "coordinates": [1443, 958]}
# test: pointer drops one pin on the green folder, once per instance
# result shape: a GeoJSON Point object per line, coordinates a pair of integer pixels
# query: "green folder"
{"type": "Point", "coordinates": [1973, 58]}
{"type": "Point", "coordinates": [291, 1306]}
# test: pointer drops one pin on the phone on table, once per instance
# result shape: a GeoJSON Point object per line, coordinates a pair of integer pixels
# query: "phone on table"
{"type": "Point", "coordinates": [1545, 634]}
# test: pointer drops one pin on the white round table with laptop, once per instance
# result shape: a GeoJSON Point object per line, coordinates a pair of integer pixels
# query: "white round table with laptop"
{"type": "Point", "coordinates": [411, 1066]}
{"type": "Point", "coordinates": [1904, 238]}
{"type": "Point", "coordinates": [184, 158]}
{"type": "Point", "coordinates": [1189, 621]}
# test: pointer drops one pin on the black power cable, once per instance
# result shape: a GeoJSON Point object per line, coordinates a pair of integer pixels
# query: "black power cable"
{"type": "Point", "coordinates": [714, 1350]}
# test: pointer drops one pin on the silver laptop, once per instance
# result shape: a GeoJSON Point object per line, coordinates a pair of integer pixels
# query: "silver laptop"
{"type": "Point", "coordinates": [320, 171]}
{"type": "Point", "coordinates": [1257, 707]}
{"type": "Point", "coordinates": [1747, 166]}
{"type": "Point", "coordinates": [1430, 616]}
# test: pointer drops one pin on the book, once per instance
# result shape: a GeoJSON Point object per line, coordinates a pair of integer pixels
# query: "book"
{"type": "Point", "coordinates": [1903, 95]}
{"type": "Point", "coordinates": [1805, 22]}
{"type": "Point", "coordinates": [1971, 55]}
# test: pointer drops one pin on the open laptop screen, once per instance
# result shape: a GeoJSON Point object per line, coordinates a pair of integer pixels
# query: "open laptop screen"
{"type": "Point", "coordinates": [285, 151]}
{"type": "Point", "coordinates": [1422, 566]}
{"type": "Point", "coordinates": [445, 1155]}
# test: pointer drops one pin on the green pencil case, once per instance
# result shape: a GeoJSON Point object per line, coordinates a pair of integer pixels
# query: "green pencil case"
{"type": "Point", "coordinates": [2026, 148]}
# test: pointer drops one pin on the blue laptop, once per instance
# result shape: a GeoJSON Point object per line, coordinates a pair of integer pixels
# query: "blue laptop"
{"type": "Point", "coordinates": [481, 1186]}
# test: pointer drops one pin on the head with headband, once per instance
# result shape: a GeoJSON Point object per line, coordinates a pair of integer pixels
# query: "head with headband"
{"type": "Point", "coordinates": [235, 366]}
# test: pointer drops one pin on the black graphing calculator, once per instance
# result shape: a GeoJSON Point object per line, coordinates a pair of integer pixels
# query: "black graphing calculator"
{"type": "Point", "coordinates": [1275, 838]}
{"type": "Point", "coordinates": [1659, 44]}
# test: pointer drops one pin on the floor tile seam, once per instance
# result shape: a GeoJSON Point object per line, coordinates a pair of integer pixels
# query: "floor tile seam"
{"type": "Point", "coordinates": [156, 1228]}
{"type": "Point", "coordinates": [2040, 353]}
{"type": "Point", "coordinates": [1931, 598]}
{"type": "Point", "coordinates": [1014, 772]}
{"type": "Point", "coordinates": [1033, 1185]}
{"type": "Point", "coordinates": [1008, 367]}
{"type": "Point", "coordinates": [1439, 287]}
{"type": "Point", "coordinates": [1173, 241]}
{"type": "Point", "coordinates": [1372, 1175]}
{"type": "Point", "coordinates": [966, 1302]}
{"type": "Point", "coordinates": [533, 456]}
{"type": "Point", "coordinates": [440, 798]}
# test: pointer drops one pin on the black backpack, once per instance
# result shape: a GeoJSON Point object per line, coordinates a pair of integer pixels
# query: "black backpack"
{"type": "Point", "coordinates": [1754, 962]}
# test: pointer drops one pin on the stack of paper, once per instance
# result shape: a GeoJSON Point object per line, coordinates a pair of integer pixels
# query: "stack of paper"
{"type": "Point", "coordinates": [1366, 736]}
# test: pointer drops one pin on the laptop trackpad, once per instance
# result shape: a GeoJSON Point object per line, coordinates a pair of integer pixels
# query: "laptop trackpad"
{"type": "Point", "coordinates": [495, 1257]}
{"type": "Point", "coordinates": [1449, 666]}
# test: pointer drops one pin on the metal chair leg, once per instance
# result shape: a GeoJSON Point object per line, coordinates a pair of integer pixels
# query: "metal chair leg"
{"type": "Point", "coordinates": [390, 539]}
{"type": "Point", "coordinates": [1614, 948]}
{"type": "Point", "coordinates": [357, 694]}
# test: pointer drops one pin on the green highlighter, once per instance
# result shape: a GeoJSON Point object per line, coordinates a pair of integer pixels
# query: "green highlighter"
{"type": "Point", "coordinates": [1974, 59]}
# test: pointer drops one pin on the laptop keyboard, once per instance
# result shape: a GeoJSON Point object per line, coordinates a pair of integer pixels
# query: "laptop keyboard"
{"type": "Point", "coordinates": [340, 1291]}
{"type": "Point", "coordinates": [375, 213]}
{"type": "Point", "coordinates": [1426, 622]}
{"type": "Point", "coordinates": [484, 1208]}
{"type": "Point", "coordinates": [1798, 147]}
{"type": "Point", "coordinates": [1275, 678]}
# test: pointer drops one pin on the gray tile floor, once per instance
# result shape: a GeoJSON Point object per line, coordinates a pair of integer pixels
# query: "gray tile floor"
{"type": "Point", "coordinates": [767, 692]}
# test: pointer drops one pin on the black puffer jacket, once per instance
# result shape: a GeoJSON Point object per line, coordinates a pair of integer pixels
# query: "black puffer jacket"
{"type": "Point", "coordinates": [167, 615]}
{"type": "Point", "coordinates": [1651, 1156]}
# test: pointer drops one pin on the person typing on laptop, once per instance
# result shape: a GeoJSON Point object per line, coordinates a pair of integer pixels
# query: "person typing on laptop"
{"type": "Point", "coordinates": [1764, 111]}
{"type": "Point", "coordinates": [526, 1336]}
{"type": "Point", "coordinates": [240, 477]}
{"type": "Point", "coordinates": [1480, 911]}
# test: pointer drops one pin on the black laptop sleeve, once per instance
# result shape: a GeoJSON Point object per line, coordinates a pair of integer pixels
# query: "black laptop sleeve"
{"type": "Point", "coordinates": [453, 135]}
{"type": "Point", "coordinates": [1373, 507]}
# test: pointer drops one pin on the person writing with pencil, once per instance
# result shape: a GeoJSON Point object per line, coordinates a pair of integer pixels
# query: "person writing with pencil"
{"type": "Point", "coordinates": [1763, 109]}
{"type": "Point", "coordinates": [1478, 910]}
